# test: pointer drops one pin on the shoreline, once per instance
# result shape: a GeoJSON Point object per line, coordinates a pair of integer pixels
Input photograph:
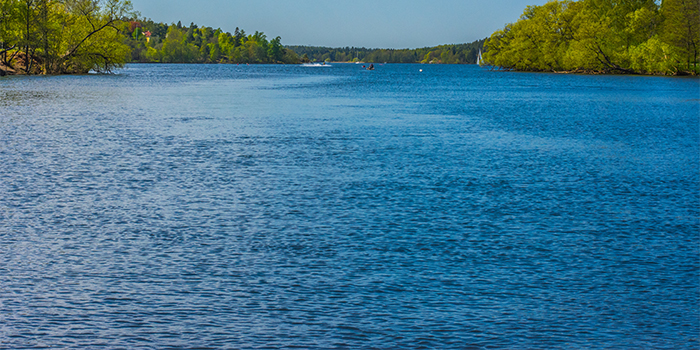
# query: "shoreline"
{"type": "Point", "coordinates": [6, 71]}
{"type": "Point", "coordinates": [596, 72]}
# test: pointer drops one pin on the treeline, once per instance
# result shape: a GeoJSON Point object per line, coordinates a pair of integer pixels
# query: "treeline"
{"type": "Point", "coordinates": [608, 36]}
{"type": "Point", "coordinates": [153, 42]}
{"type": "Point", "coordinates": [445, 54]}
{"type": "Point", "coordinates": [61, 36]}
{"type": "Point", "coordinates": [77, 36]}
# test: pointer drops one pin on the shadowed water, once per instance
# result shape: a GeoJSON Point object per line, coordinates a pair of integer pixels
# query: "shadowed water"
{"type": "Point", "coordinates": [250, 207]}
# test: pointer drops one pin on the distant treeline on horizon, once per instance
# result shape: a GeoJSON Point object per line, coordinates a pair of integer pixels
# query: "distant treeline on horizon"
{"type": "Point", "coordinates": [444, 54]}
{"type": "Point", "coordinates": [153, 42]}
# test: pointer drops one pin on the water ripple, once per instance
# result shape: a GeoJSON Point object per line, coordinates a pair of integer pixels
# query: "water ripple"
{"type": "Point", "coordinates": [279, 207]}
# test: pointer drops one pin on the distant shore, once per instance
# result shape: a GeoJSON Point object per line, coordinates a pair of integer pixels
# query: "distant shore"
{"type": "Point", "coordinates": [8, 71]}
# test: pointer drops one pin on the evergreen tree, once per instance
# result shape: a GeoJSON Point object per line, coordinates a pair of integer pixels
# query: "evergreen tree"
{"type": "Point", "coordinates": [275, 51]}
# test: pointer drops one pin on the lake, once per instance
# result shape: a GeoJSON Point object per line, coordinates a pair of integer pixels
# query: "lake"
{"type": "Point", "coordinates": [266, 207]}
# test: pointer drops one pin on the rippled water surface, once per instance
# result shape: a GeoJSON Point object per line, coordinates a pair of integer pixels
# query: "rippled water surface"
{"type": "Point", "coordinates": [246, 207]}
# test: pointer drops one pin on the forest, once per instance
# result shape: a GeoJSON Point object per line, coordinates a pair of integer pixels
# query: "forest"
{"type": "Point", "coordinates": [601, 36]}
{"type": "Point", "coordinates": [153, 42]}
{"type": "Point", "coordinates": [62, 37]}
{"type": "Point", "coordinates": [445, 54]}
{"type": "Point", "coordinates": [77, 36]}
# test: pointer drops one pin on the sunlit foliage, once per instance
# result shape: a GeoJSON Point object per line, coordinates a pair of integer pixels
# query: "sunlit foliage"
{"type": "Point", "coordinates": [62, 36]}
{"type": "Point", "coordinates": [610, 36]}
{"type": "Point", "coordinates": [156, 42]}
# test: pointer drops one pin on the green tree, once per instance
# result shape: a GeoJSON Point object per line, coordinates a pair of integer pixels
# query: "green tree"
{"type": "Point", "coordinates": [9, 31]}
{"type": "Point", "coordinates": [28, 42]}
{"type": "Point", "coordinates": [632, 36]}
{"type": "Point", "coordinates": [290, 57]}
{"type": "Point", "coordinates": [63, 36]}
{"type": "Point", "coordinates": [681, 30]}
{"type": "Point", "coordinates": [275, 50]}
{"type": "Point", "coordinates": [257, 47]}
{"type": "Point", "coordinates": [176, 49]}
{"type": "Point", "coordinates": [214, 52]}
{"type": "Point", "coordinates": [538, 41]}
{"type": "Point", "coordinates": [173, 48]}
{"type": "Point", "coordinates": [91, 37]}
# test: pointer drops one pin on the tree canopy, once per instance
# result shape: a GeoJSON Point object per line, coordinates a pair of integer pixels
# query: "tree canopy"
{"type": "Point", "coordinates": [77, 36]}
{"type": "Point", "coordinates": [609, 36]}
{"type": "Point", "coordinates": [153, 42]}
{"type": "Point", "coordinates": [62, 36]}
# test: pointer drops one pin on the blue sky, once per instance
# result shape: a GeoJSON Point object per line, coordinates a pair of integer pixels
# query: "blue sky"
{"type": "Point", "coordinates": [360, 23]}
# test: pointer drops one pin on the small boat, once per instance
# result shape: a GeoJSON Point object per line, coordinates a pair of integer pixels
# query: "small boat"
{"type": "Point", "coordinates": [316, 65]}
{"type": "Point", "coordinates": [371, 66]}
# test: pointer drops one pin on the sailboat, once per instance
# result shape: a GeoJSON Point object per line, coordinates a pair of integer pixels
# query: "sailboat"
{"type": "Point", "coordinates": [357, 57]}
{"type": "Point", "coordinates": [480, 59]}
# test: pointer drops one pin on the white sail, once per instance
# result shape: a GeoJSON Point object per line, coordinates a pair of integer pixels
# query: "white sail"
{"type": "Point", "coordinates": [479, 60]}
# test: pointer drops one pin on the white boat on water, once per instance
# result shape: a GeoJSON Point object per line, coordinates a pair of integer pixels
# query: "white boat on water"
{"type": "Point", "coordinates": [316, 65]}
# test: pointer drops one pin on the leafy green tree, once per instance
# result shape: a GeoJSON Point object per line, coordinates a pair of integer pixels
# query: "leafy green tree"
{"type": "Point", "coordinates": [240, 55]}
{"type": "Point", "coordinates": [9, 31]}
{"type": "Point", "coordinates": [173, 50]}
{"type": "Point", "coordinates": [681, 30]}
{"type": "Point", "coordinates": [214, 52]}
{"type": "Point", "coordinates": [153, 55]}
{"type": "Point", "coordinates": [62, 36]}
{"type": "Point", "coordinates": [290, 57]}
{"type": "Point", "coordinates": [226, 44]}
{"type": "Point", "coordinates": [632, 36]}
{"type": "Point", "coordinates": [137, 34]}
{"type": "Point", "coordinates": [206, 33]}
{"type": "Point", "coordinates": [92, 38]}
{"type": "Point", "coordinates": [176, 48]}
{"type": "Point", "coordinates": [258, 50]}
{"type": "Point", "coordinates": [28, 40]}
{"type": "Point", "coordinates": [275, 50]}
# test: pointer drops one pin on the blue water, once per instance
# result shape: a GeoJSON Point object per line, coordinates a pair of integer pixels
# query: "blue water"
{"type": "Point", "coordinates": [265, 207]}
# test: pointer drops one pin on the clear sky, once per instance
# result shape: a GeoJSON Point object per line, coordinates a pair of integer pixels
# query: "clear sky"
{"type": "Point", "coordinates": [360, 23]}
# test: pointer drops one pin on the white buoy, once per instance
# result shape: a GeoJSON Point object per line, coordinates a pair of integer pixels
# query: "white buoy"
{"type": "Point", "coordinates": [421, 70]}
